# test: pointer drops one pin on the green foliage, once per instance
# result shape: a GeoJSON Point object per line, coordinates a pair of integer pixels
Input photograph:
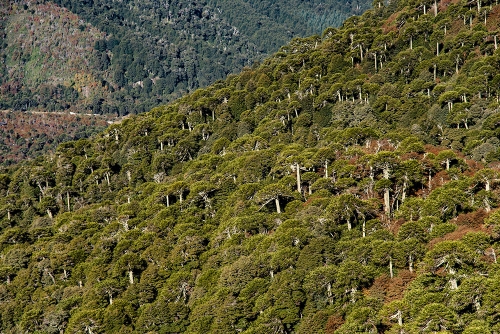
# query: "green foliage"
{"type": "Point", "coordinates": [314, 192]}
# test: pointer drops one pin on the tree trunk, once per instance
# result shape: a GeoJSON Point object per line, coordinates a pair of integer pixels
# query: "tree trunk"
{"type": "Point", "coordinates": [49, 213]}
{"type": "Point", "coordinates": [353, 295]}
{"type": "Point", "coordinates": [349, 225]}
{"type": "Point", "coordinates": [403, 195]}
{"type": "Point", "coordinates": [364, 228]}
{"type": "Point", "coordinates": [67, 201]}
{"type": "Point", "coordinates": [391, 271]}
{"type": "Point", "coordinates": [297, 167]}
{"type": "Point", "coordinates": [398, 315]}
{"type": "Point", "coordinates": [410, 263]}
{"type": "Point", "coordinates": [453, 280]}
{"type": "Point", "coordinates": [131, 276]}
{"type": "Point", "coordinates": [326, 169]}
{"type": "Point", "coordinates": [110, 297]}
{"type": "Point", "coordinates": [387, 207]}
{"type": "Point", "coordinates": [277, 202]}
{"type": "Point", "coordinates": [329, 293]}
{"type": "Point", "coordinates": [487, 206]}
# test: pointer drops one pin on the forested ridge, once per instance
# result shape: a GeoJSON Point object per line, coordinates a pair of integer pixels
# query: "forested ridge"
{"type": "Point", "coordinates": [348, 184]}
{"type": "Point", "coordinates": [124, 57]}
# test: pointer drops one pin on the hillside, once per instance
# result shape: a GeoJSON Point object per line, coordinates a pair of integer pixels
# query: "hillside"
{"type": "Point", "coordinates": [348, 184]}
{"type": "Point", "coordinates": [129, 56]}
{"type": "Point", "coordinates": [124, 58]}
{"type": "Point", "coordinates": [26, 135]}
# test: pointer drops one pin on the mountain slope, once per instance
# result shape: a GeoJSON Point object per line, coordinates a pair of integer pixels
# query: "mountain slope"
{"type": "Point", "coordinates": [140, 51]}
{"type": "Point", "coordinates": [347, 184]}
{"type": "Point", "coordinates": [127, 57]}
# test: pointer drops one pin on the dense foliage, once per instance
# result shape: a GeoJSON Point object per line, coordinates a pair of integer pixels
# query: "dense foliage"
{"type": "Point", "coordinates": [349, 184]}
{"type": "Point", "coordinates": [25, 135]}
{"type": "Point", "coordinates": [124, 57]}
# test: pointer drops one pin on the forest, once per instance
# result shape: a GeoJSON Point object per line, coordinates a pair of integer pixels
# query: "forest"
{"type": "Point", "coordinates": [125, 57]}
{"type": "Point", "coordinates": [349, 183]}
{"type": "Point", "coordinates": [27, 135]}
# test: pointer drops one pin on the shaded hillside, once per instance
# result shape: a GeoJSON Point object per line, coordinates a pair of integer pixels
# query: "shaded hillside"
{"type": "Point", "coordinates": [138, 54]}
{"type": "Point", "coordinates": [349, 184]}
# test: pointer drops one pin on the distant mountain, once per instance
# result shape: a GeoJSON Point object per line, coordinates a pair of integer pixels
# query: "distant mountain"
{"type": "Point", "coordinates": [347, 184]}
{"type": "Point", "coordinates": [124, 57]}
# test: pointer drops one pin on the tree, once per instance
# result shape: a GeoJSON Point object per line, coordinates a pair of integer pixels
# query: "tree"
{"type": "Point", "coordinates": [346, 208]}
{"type": "Point", "coordinates": [436, 317]}
{"type": "Point", "coordinates": [385, 161]}
{"type": "Point", "coordinates": [385, 253]}
{"type": "Point", "coordinates": [350, 277]}
{"type": "Point", "coordinates": [455, 259]}
{"type": "Point", "coordinates": [395, 312]}
{"type": "Point", "coordinates": [272, 192]}
{"type": "Point", "coordinates": [318, 285]}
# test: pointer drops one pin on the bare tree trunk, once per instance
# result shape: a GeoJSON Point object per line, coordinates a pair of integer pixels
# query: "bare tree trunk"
{"type": "Point", "coordinates": [297, 167]}
{"type": "Point", "coordinates": [353, 295]}
{"type": "Point", "coordinates": [453, 280]}
{"type": "Point", "coordinates": [387, 204]}
{"type": "Point", "coordinates": [391, 271]}
{"type": "Point", "coordinates": [67, 200]}
{"type": "Point", "coordinates": [131, 276]}
{"type": "Point", "coordinates": [329, 293]}
{"type": "Point", "coordinates": [277, 202]}
{"type": "Point", "coordinates": [403, 195]}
